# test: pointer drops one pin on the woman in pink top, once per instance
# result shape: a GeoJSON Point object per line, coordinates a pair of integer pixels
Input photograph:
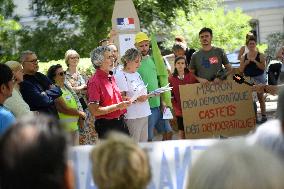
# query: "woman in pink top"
{"type": "Point", "coordinates": [104, 98]}
{"type": "Point", "coordinates": [181, 76]}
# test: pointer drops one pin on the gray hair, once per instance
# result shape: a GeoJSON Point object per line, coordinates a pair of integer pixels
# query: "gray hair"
{"type": "Point", "coordinates": [234, 164]}
{"type": "Point", "coordinates": [98, 56]}
{"type": "Point", "coordinates": [130, 55]}
{"type": "Point", "coordinates": [24, 54]}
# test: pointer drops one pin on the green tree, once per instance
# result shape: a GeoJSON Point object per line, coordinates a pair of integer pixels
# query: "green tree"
{"type": "Point", "coordinates": [229, 28]}
{"type": "Point", "coordinates": [275, 41]}
{"type": "Point", "coordinates": [94, 25]}
{"type": "Point", "coordinates": [6, 8]}
{"type": "Point", "coordinates": [8, 29]}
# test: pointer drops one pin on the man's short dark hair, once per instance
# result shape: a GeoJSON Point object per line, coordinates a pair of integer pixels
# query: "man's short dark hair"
{"type": "Point", "coordinates": [206, 30]}
{"type": "Point", "coordinates": [33, 155]}
{"type": "Point", "coordinates": [6, 74]}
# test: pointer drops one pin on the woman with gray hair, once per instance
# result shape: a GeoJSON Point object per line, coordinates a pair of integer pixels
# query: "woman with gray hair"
{"type": "Point", "coordinates": [104, 98]}
{"type": "Point", "coordinates": [130, 82]}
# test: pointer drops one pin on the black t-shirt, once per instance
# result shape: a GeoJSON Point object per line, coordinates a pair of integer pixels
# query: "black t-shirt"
{"type": "Point", "coordinates": [188, 54]}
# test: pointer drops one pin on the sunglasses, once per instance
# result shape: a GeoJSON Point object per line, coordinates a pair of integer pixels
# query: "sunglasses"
{"type": "Point", "coordinates": [61, 73]}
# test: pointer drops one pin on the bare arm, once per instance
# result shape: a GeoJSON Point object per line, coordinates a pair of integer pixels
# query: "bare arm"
{"type": "Point", "coordinates": [241, 52]}
{"type": "Point", "coordinates": [97, 110]}
{"type": "Point", "coordinates": [243, 64]}
{"type": "Point", "coordinates": [279, 55]}
{"type": "Point", "coordinates": [63, 108]}
{"type": "Point", "coordinates": [261, 65]}
{"type": "Point", "coordinates": [228, 68]}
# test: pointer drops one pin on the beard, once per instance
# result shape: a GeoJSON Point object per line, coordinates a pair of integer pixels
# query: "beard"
{"type": "Point", "coordinates": [145, 53]}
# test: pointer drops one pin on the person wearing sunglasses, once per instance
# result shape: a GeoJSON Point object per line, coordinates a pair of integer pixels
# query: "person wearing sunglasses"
{"type": "Point", "coordinates": [16, 102]}
{"type": "Point", "coordinates": [70, 119]}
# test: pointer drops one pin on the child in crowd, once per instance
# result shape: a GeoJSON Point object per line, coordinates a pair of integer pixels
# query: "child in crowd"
{"type": "Point", "coordinates": [180, 76]}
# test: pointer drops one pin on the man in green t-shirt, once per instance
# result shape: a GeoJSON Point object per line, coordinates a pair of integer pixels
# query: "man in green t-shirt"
{"type": "Point", "coordinates": [206, 62]}
{"type": "Point", "coordinates": [149, 75]}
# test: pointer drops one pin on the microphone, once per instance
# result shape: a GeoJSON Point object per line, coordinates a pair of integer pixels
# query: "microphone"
{"type": "Point", "coordinates": [109, 76]}
{"type": "Point", "coordinates": [240, 80]}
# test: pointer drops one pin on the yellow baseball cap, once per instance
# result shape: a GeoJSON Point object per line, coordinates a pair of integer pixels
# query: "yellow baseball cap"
{"type": "Point", "coordinates": [141, 36]}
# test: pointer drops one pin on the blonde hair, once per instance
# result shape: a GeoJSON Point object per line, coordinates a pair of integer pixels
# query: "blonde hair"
{"type": "Point", "coordinates": [119, 162]}
{"type": "Point", "coordinates": [234, 164]}
{"type": "Point", "coordinates": [69, 53]}
{"type": "Point", "coordinates": [13, 65]}
{"type": "Point", "coordinates": [130, 55]}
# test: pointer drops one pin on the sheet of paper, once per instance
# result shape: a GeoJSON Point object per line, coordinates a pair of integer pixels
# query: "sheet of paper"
{"type": "Point", "coordinates": [140, 91]}
{"type": "Point", "coordinates": [167, 114]}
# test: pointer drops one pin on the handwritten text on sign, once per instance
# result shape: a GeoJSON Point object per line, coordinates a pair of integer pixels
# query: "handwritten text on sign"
{"type": "Point", "coordinates": [217, 109]}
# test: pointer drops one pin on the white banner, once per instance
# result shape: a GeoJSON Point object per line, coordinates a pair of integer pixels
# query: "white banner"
{"type": "Point", "coordinates": [170, 162]}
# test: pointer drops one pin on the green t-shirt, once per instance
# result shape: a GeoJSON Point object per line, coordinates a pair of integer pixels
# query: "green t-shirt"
{"type": "Point", "coordinates": [148, 72]}
{"type": "Point", "coordinates": [207, 63]}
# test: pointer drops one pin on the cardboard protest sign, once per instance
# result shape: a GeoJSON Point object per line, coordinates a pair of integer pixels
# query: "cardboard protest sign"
{"type": "Point", "coordinates": [126, 23]}
{"type": "Point", "coordinates": [217, 109]}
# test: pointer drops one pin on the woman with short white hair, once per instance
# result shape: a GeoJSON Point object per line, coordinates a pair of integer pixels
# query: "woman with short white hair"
{"type": "Point", "coordinates": [16, 103]}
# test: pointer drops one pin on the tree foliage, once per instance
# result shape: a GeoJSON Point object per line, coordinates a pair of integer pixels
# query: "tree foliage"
{"type": "Point", "coordinates": [7, 37]}
{"type": "Point", "coordinates": [6, 8]}
{"type": "Point", "coordinates": [92, 20]}
{"type": "Point", "coordinates": [275, 41]}
{"type": "Point", "coordinates": [229, 28]}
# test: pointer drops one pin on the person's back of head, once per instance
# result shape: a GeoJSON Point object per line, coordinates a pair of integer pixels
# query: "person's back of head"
{"type": "Point", "coordinates": [33, 155]}
{"type": "Point", "coordinates": [118, 162]}
{"type": "Point", "coordinates": [234, 164]}
{"type": "Point", "coordinates": [6, 74]}
{"type": "Point", "coordinates": [6, 84]}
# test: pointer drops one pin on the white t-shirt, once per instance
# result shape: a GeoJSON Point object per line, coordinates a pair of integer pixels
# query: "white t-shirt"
{"type": "Point", "coordinates": [131, 82]}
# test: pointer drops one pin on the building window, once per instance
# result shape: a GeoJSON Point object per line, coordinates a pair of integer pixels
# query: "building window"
{"type": "Point", "coordinates": [255, 29]}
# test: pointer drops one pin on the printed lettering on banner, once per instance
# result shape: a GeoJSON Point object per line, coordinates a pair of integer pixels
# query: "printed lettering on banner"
{"type": "Point", "coordinates": [217, 109]}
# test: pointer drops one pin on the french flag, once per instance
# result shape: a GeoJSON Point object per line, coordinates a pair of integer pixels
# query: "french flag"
{"type": "Point", "coordinates": [125, 23]}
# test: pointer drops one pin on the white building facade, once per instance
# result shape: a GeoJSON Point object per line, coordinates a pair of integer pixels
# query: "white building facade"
{"type": "Point", "coordinates": [267, 15]}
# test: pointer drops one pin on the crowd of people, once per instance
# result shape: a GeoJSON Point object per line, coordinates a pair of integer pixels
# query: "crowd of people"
{"type": "Point", "coordinates": [108, 100]}
{"type": "Point", "coordinates": [41, 114]}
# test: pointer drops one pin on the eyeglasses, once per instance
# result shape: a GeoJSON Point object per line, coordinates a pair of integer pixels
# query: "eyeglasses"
{"type": "Point", "coordinates": [61, 73]}
{"type": "Point", "coordinates": [33, 61]}
{"type": "Point", "coordinates": [14, 79]}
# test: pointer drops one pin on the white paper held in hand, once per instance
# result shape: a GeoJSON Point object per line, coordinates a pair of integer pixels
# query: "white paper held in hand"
{"type": "Point", "coordinates": [139, 92]}
{"type": "Point", "coordinates": [167, 114]}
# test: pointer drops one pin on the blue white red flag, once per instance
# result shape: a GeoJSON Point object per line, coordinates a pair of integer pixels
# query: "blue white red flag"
{"type": "Point", "coordinates": [125, 23]}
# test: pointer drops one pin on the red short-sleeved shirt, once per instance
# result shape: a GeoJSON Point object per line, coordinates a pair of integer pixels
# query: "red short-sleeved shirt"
{"type": "Point", "coordinates": [175, 82]}
{"type": "Point", "coordinates": [102, 88]}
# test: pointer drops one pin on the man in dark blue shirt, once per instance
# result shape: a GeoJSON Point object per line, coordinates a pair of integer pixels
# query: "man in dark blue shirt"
{"type": "Point", "coordinates": [37, 90]}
